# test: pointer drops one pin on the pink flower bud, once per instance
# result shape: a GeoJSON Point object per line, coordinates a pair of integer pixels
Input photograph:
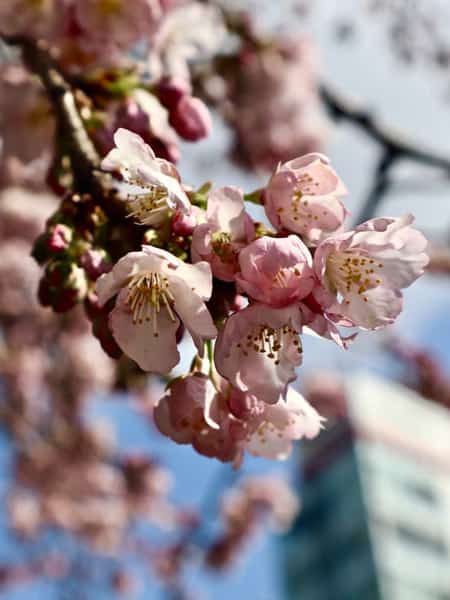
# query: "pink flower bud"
{"type": "Point", "coordinates": [131, 116]}
{"type": "Point", "coordinates": [59, 238]}
{"type": "Point", "coordinates": [191, 119]}
{"type": "Point", "coordinates": [95, 263]}
{"type": "Point", "coordinates": [171, 90]}
{"type": "Point", "coordinates": [63, 286]}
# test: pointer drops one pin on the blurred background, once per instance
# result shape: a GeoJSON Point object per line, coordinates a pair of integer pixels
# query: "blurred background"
{"type": "Point", "coordinates": [374, 487]}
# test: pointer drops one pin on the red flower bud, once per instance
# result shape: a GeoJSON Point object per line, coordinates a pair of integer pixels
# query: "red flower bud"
{"type": "Point", "coordinates": [59, 238]}
{"type": "Point", "coordinates": [171, 90]}
{"type": "Point", "coordinates": [191, 119]}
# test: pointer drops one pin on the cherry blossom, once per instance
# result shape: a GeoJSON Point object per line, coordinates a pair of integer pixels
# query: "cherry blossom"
{"type": "Point", "coordinates": [276, 271]}
{"type": "Point", "coordinates": [143, 114]}
{"type": "Point", "coordinates": [188, 32]}
{"type": "Point", "coordinates": [120, 21]}
{"type": "Point", "coordinates": [244, 510]}
{"type": "Point", "coordinates": [227, 230]}
{"type": "Point", "coordinates": [362, 271]}
{"type": "Point", "coordinates": [282, 423]}
{"type": "Point", "coordinates": [33, 18]}
{"type": "Point", "coordinates": [156, 293]}
{"type": "Point", "coordinates": [25, 114]}
{"type": "Point", "coordinates": [258, 350]}
{"type": "Point", "coordinates": [191, 413]}
{"type": "Point", "coordinates": [152, 185]}
{"type": "Point", "coordinates": [223, 422]}
{"type": "Point", "coordinates": [271, 101]}
{"type": "Point", "coordinates": [303, 196]}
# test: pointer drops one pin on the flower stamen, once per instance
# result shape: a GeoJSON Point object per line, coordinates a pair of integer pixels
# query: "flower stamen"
{"type": "Point", "coordinates": [270, 341]}
{"type": "Point", "coordinates": [147, 295]}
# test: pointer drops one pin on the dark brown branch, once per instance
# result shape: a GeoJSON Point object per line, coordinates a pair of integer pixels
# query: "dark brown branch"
{"type": "Point", "coordinates": [380, 187]}
{"type": "Point", "coordinates": [392, 141]}
{"type": "Point", "coordinates": [394, 146]}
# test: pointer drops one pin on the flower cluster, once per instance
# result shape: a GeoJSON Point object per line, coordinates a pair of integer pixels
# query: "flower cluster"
{"type": "Point", "coordinates": [95, 98]}
{"type": "Point", "coordinates": [307, 274]}
{"type": "Point", "coordinates": [106, 46]}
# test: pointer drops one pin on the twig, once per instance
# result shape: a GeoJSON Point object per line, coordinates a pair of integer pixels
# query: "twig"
{"type": "Point", "coordinates": [380, 187]}
{"type": "Point", "coordinates": [395, 147]}
{"type": "Point", "coordinates": [396, 143]}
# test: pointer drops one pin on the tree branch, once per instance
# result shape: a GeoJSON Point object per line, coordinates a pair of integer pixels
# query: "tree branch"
{"type": "Point", "coordinates": [393, 142]}
{"type": "Point", "coordinates": [85, 160]}
{"type": "Point", "coordinates": [394, 145]}
{"type": "Point", "coordinates": [380, 187]}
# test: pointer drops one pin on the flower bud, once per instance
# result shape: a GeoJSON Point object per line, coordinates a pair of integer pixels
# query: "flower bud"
{"type": "Point", "coordinates": [95, 262]}
{"type": "Point", "coordinates": [59, 238]}
{"type": "Point", "coordinates": [171, 90]}
{"type": "Point", "coordinates": [191, 119]}
{"type": "Point", "coordinates": [40, 251]}
{"type": "Point", "coordinates": [63, 286]}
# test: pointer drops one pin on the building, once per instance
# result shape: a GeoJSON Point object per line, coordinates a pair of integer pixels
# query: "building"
{"type": "Point", "coordinates": [375, 523]}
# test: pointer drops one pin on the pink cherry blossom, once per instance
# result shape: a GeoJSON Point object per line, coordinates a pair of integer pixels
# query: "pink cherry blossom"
{"type": "Point", "coordinates": [156, 292]}
{"type": "Point", "coordinates": [118, 21]}
{"type": "Point", "coordinates": [272, 103]}
{"type": "Point", "coordinates": [23, 213]}
{"type": "Point", "coordinates": [318, 324]}
{"type": "Point", "coordinates": [362, 271]}
{"type": "Point", "coordinates": [282, 423]}
{"type": "Point", "coordinates": [184, 414]}
{"type": "Point", "coordinates": [227, 230]}
{"type": "Point", "coordinates": [35, 18]}
{"type": "Point", "coordinates": [276, 271]}
{"type": "Point", "coordinates": [258, 350]}
{"type": "Point", "coordinates": [191, 119]}
{"type": "Point", "coordinates": [188, 32]}
{"type": "Point", "coordinates": [223, 422]}
{"type": "Point", "coordinates": [303, 196]}
{"type": "Point", "coordinates": [25, 114]}
{"type": "Point", "coordinates": [142, 113]}
{"type": "Point", "coordinates": [269, 495]}
{"type": "Point", "coordinates": [152, 185]}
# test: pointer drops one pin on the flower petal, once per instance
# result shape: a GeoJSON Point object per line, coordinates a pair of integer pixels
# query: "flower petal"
{"type": "Point", "coordinates": [155, 354]}
{"type": "Point", "coordinates": [193, 312]}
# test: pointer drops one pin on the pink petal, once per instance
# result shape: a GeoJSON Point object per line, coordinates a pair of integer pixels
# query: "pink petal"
{"type": "Point", "coordinates": [153, 354]}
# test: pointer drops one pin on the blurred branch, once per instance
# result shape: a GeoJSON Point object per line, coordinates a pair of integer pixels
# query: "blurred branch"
{"type": "Point", "coordinates": [85, 160]}
{"type": "Point", "coordinates": [342, 107]}
{"type": "Point", "coordinates": [395, 146]}
{"type": "Point", "coordinates": [380, 187]}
